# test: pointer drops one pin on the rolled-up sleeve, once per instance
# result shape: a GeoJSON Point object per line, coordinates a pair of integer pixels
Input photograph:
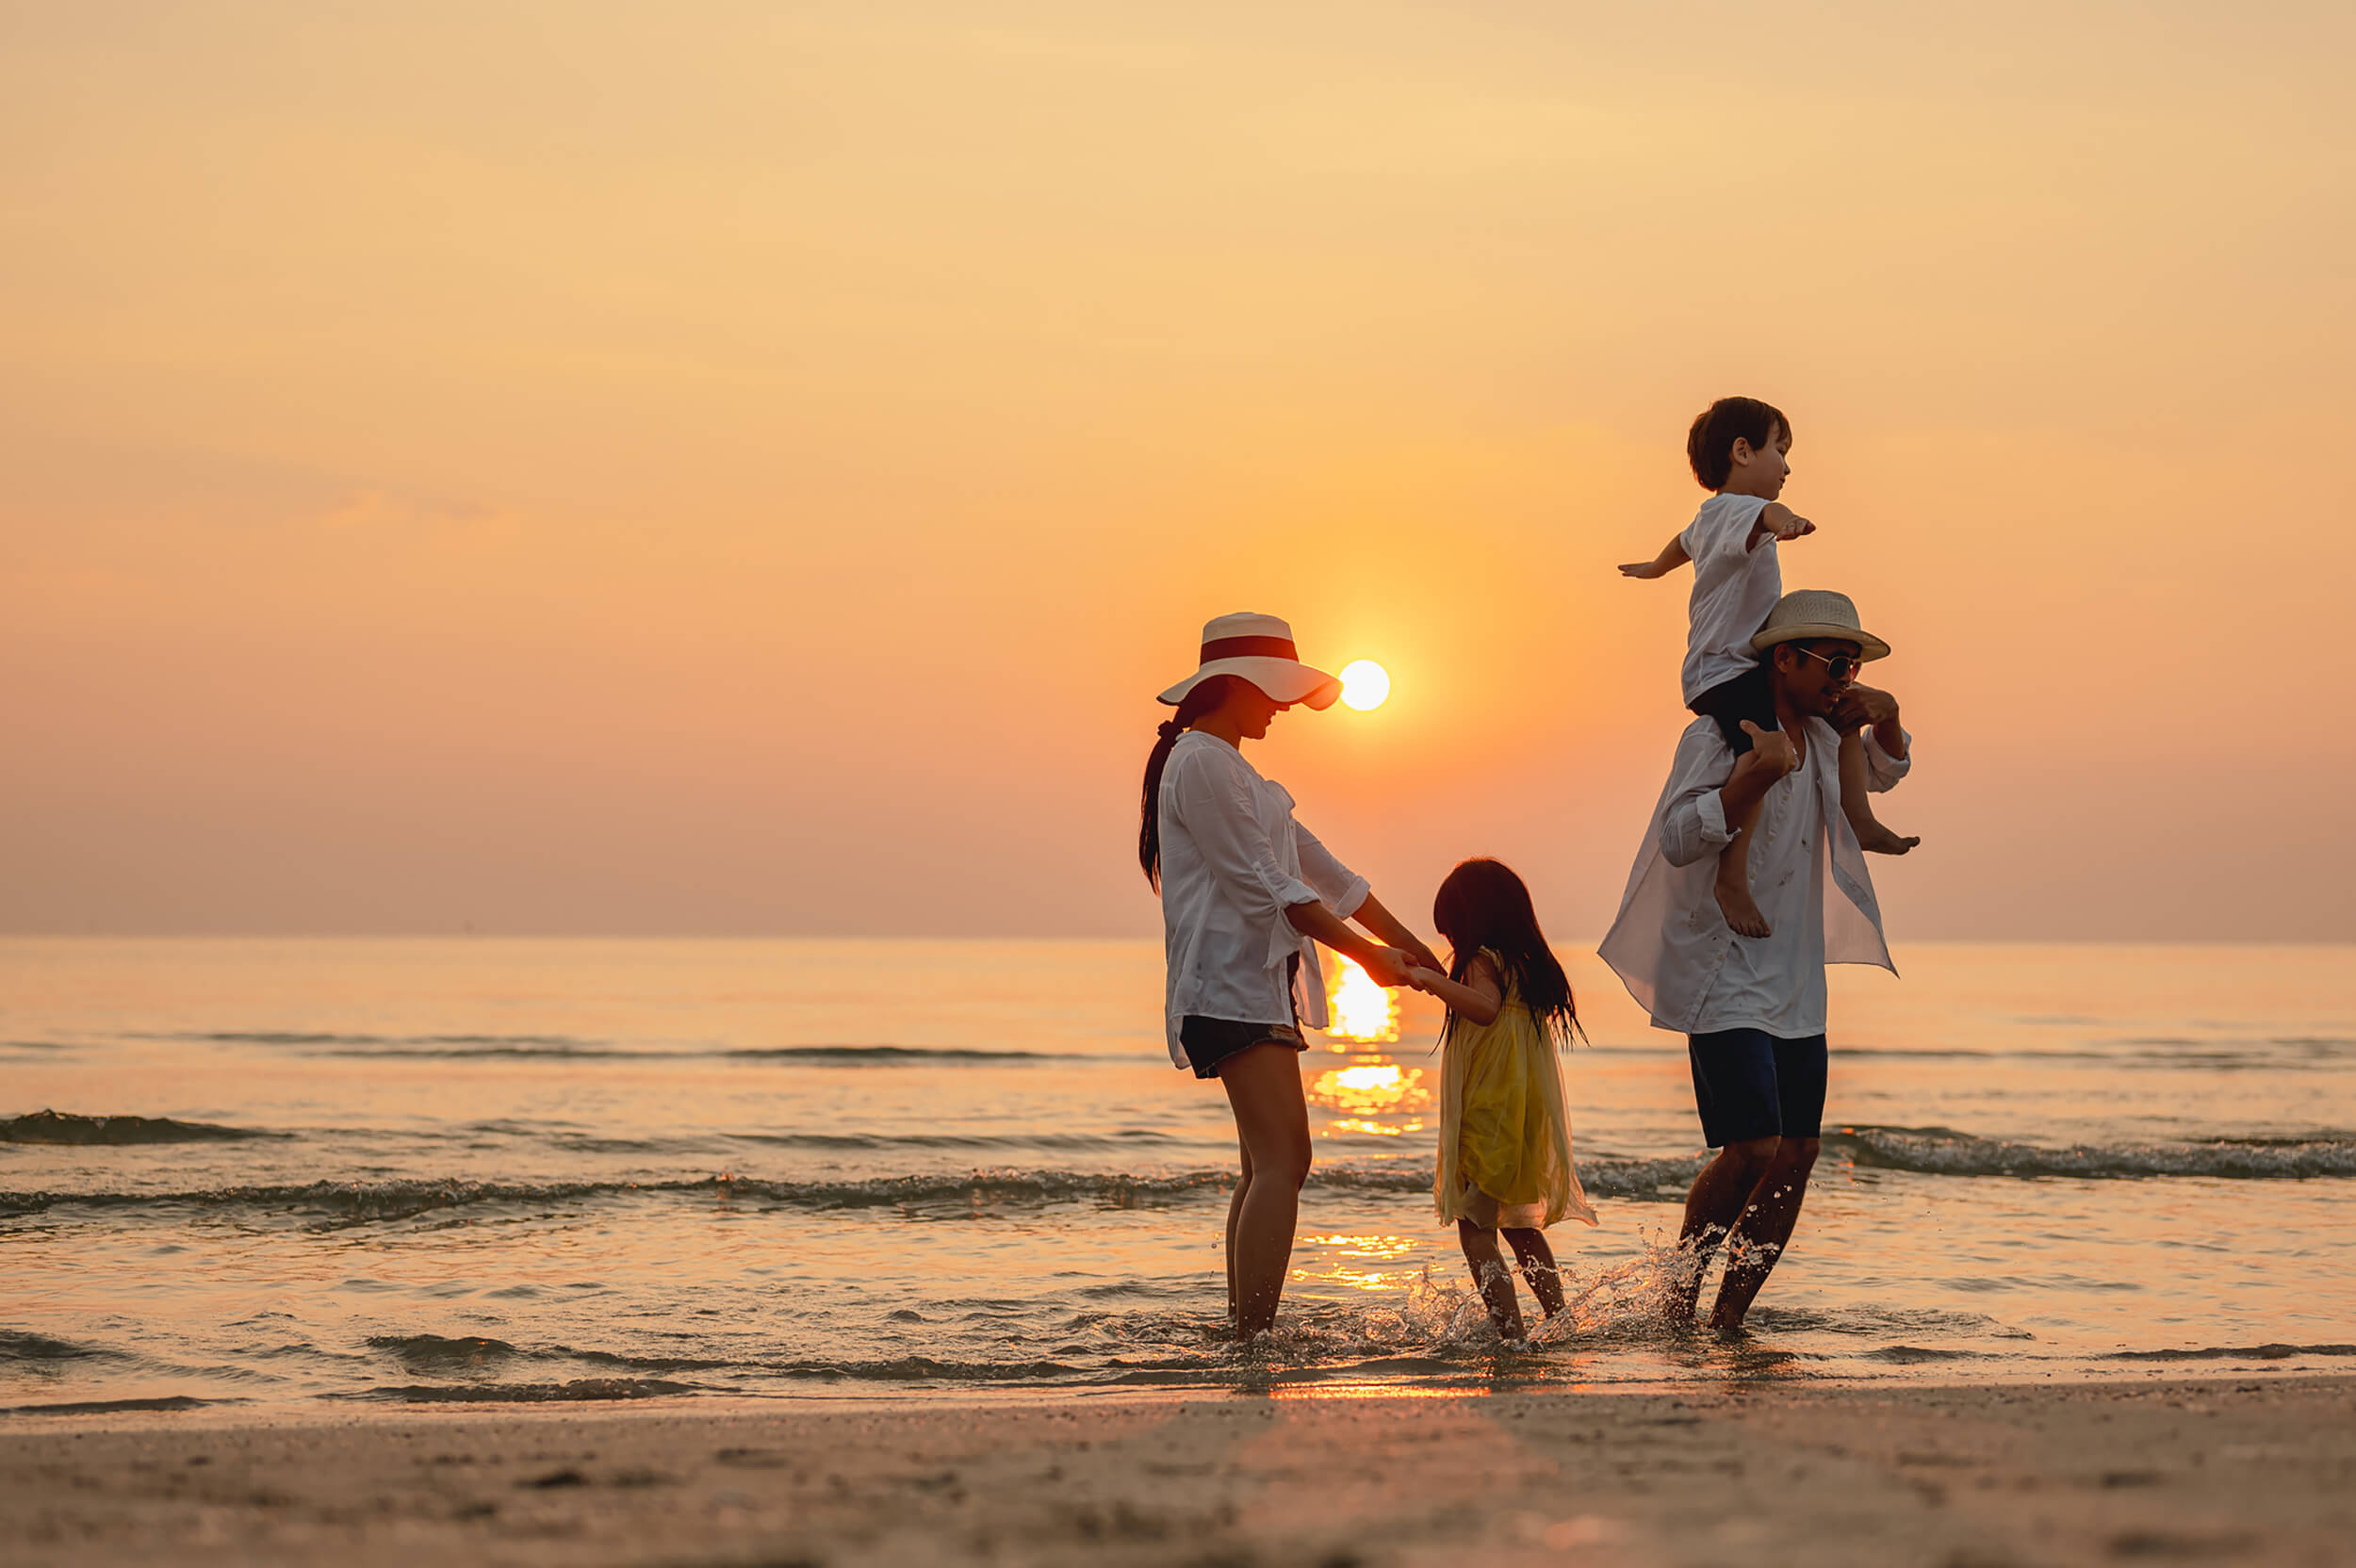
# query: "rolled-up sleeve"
{"type": "Point", "coordinates": [1340, 888]}
{"type": "Point", "coordinates": [1214, 804]}
{"type": "Point", "coordinates": [1694, 818]}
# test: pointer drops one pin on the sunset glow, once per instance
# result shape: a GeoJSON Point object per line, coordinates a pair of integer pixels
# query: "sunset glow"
{"type": "Point", "coordinates": [1362, 1010]}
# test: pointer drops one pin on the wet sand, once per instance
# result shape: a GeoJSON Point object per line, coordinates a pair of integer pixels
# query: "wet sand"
{"type": "Point", "coordinates": [2259, 1469]}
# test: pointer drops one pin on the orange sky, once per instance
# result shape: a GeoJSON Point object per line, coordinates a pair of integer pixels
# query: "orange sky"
{"type": "Point", "coordinates": [746, 468]}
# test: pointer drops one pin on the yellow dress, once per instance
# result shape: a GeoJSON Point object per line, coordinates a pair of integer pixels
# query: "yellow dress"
{"type": "Point", "coordinates": [1505, 1141]}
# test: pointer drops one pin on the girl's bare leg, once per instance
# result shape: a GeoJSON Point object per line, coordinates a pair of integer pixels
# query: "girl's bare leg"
{"type": "Point", "coordinates": [1235, 1210]}
{"type": "Point", "coordinates": [1857, 802]}
{"type": "Point", "coordinates": [1537, 1260]}
{"type": "Point", "coordinates": [1733, 886]}
{"type": "Point", "coordinates": [1495, 1280]}
{"type": "Point", "coordinates": [1263, 1086]}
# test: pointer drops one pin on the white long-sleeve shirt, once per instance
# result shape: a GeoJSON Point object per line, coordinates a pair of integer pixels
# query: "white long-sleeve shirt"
{"type": "Point", "coordinates": [1232, 861]}
{"type": "Point", "coordinates": [1671, 945]}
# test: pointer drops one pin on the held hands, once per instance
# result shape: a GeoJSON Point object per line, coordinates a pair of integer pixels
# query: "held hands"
{"type": "Point", "coordinates": [1424, 976]}
{"type": "Point", "coordinates": [1390, 968]}
{"type": "Point", "coordinates": [1771, 750]}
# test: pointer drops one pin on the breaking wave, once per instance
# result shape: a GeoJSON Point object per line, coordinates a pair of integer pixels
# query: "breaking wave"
{"type": "Point", "coordinates": [64, 1127]}
{"type": "Point", "coordinates": [1944, 1152]}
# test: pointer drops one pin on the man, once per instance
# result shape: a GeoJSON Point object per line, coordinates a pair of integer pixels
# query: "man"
{"type": "Point", "coordinates": [1752, 1009]}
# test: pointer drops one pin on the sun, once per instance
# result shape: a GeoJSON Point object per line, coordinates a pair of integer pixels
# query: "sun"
{"type": "Point", "coordinates": [1365, 684]}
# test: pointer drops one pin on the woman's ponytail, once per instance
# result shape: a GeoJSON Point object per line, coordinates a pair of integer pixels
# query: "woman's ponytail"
{"type": "Point", "coordinates": [1204, 699]}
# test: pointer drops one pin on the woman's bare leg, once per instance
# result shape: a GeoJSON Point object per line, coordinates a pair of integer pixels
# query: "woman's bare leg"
{"type": "Point", "coordinates": [1263, 1086]}
{"type": "Point", "coordinates": [1493, 1279]}
{"type": "Point", "coordinates": [1235, 1212]}
{"type": "Point", "coordinates": [1537, 1260]}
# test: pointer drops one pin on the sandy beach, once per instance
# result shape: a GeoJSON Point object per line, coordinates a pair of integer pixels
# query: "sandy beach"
{"type": "Point", "coordinates": [2256, 1469]}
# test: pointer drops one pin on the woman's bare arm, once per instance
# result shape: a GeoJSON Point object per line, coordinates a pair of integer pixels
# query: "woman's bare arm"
{"type": "Point", "coordinates": [1375, 918]}
{"type": "Point", "coordinates": [1388, 965]}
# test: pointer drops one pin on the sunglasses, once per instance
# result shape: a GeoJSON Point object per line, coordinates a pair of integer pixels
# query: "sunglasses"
{"type": "Point", "coordinates": [1838, 667]}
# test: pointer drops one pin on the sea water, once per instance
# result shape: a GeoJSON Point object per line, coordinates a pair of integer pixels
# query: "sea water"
{"type": "Point", "coordinates": [465, 1169]}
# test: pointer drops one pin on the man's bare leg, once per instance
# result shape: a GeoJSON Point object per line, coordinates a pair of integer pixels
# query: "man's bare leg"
{"type": "Point", "coordinates": [1857, 802]}
{"type": "Point", "coordinates": [1733, 883]}
{"type": "Point", "coordinates": [1760, 1235]}
{"type": "Point", "coordinates": [1537, 1260]}
{"type": "Point", "coordinates": [1719, 1196]}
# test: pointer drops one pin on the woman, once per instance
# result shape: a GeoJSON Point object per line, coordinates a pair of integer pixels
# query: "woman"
{"type": "Point", "coordinates": [1247, 892]}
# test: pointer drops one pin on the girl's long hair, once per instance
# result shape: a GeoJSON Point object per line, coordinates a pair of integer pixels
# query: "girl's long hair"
{"type": "Point", "coordinates": [1204, 699]}
{"type": "Point", "coordinates": [1483, 904]}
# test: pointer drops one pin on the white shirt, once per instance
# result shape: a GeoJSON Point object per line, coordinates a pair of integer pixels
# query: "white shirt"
{"type": "Point", "coordinates": [1671, 944]}
{"type": "Point", "coordinates": [1232, 861]}
{"type": "Point", "coordinates": [1733, 590]}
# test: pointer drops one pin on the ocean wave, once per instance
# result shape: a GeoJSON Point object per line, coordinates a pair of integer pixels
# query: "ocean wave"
{"type": "Point", "coordinates": [107, 1407]}
{"type": "Point", "coordinates": [1944, 1152]}
{"type": "Point", "coordinates": [66, 1127]}
{"type": "Point", "coordinates": [579, 1390]}
{"type": "Point", "coordinates": [2234, 1352]}
{"type": "Point", "coordinates": [570, 1048]}
{"type": "Point", "coordinates": [17, 1344]}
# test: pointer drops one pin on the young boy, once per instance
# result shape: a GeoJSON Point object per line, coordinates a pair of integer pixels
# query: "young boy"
{"type": "Point", "coordinates": [1740, 451]}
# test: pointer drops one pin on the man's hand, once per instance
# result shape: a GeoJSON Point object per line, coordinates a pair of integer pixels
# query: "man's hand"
{"type": "Point", "coordinates": [1771, 751]}
{"type": "Point", "coordinates": [1389, 966]}
{"type": "Point", "coordinates": [1862, 705]}
{"type": "Point", "coordinates": [1644, 569]}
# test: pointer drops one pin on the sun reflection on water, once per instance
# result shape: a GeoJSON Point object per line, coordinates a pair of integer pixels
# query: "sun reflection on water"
{"type": "Point", "coordinates": [1363, 1011]}
{"type": "Point", "coordinates": [1377, 1098]}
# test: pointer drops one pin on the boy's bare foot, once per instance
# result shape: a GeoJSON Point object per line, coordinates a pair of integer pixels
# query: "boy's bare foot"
{"type": "Point", "coordinates": [1881, 840]}
{"type": "Point", "coordinates": [1734, 901]}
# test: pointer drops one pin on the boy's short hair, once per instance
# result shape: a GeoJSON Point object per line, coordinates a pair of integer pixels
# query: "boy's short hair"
{"type": "Point", "coordinates": [1709, 445]}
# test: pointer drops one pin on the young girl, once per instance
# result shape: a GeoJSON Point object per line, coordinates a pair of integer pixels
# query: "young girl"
{"type": "Point", "coordinates": [1245, 889]}
{"type": "Point", "coordinates": [1505, 1141]}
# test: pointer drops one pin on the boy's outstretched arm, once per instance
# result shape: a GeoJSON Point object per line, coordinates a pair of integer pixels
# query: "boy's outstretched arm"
{"type": "Point", "coordinates": [1672, 556]}
{"type": "Point", "coordinates": [1775, 521]}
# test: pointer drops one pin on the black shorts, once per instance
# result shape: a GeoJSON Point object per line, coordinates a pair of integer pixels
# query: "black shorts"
{"type": "Point", "coordinates": [1748, 1085]}
{"type": "Point", "coordinates": [1210, 1041]}
{"type": "Point", "coordinates": [1749, 695]}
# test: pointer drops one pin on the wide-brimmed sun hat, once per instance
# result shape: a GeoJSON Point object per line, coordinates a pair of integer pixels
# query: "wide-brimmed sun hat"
{"type": "Point", "coordinates": [1804, 615]}
{"type": "Point", "coordinates": [1259, 649]}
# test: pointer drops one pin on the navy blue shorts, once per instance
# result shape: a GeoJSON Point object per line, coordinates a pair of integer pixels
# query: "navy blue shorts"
{"type": "Point", "coordinates": [1748, 1085]}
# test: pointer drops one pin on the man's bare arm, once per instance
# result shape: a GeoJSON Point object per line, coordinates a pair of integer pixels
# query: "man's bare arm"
{"type": "Point", "coordinates": [1672, 556]}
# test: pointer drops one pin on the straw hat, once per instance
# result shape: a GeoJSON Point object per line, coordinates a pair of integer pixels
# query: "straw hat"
{"type": "Point", "coordinates": [1804, 615]}
{"type": "Point", "coordinates": [1260, 649]}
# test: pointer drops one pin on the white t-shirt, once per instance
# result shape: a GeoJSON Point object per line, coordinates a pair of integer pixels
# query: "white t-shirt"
{"type": "Point", "coordinates": [1232, 861]}
{"type": "Point", "coordinates": [1733, 590]}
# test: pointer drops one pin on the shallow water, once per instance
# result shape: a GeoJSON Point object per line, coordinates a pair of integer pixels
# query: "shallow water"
{"type": "Point", "coordinates": [434, 1170]}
